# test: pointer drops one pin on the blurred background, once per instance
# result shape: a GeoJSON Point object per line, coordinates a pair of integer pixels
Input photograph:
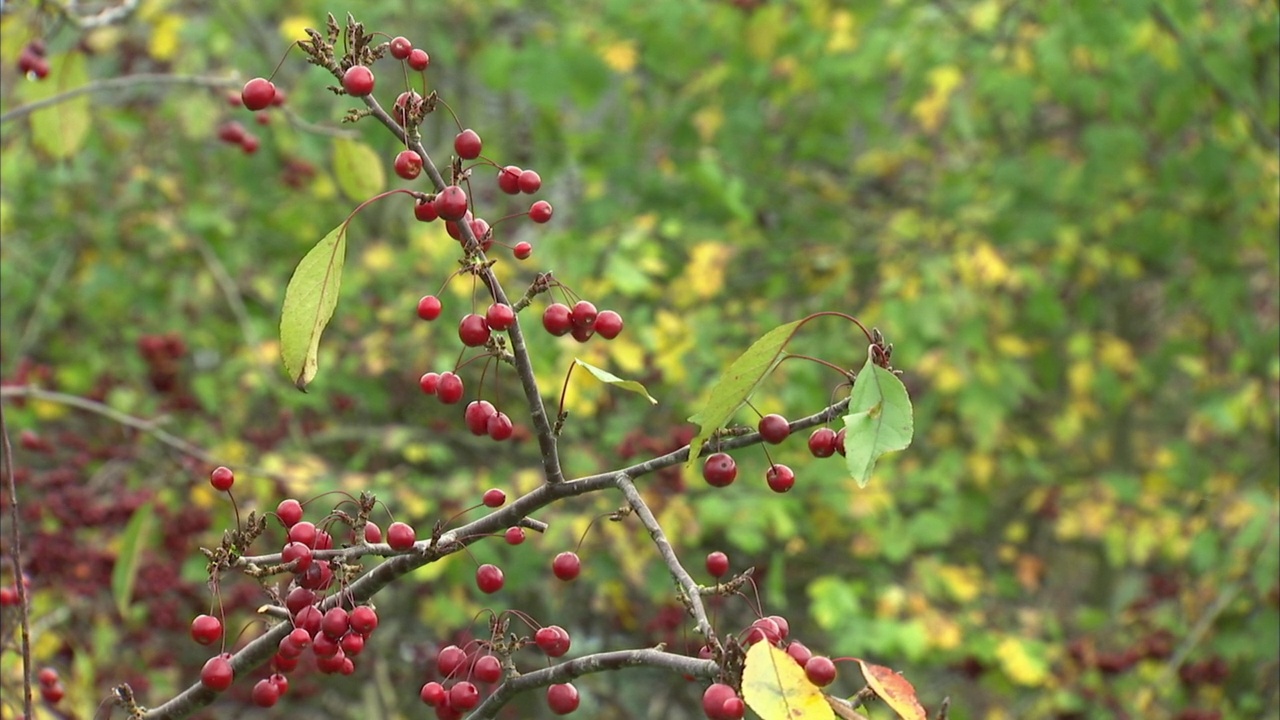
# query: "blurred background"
{"type": "Point", "coordinates": [1062, 214]}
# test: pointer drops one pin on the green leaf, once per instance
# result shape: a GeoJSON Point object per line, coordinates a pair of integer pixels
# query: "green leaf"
{"type": "Point", "coordinates": [879, 420]}
{"type": "Point", "coordinates": [609, 378]}
{"type": "Point", "coordinates": [308, 305]}
{"type": "Point", "coordinates": [358, 169]}
{"type": "Point", "coordinates": [137, 535]}
{"type": "Point", "coordinates": [776, 688]}
{"type": "Point", "coordinates": [60, 130]}
{"type": "Point", "coordinates": [738, 382]}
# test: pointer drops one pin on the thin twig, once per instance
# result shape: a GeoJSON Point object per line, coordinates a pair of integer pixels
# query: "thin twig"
{"type": "Point", "coordinates": [119, 83]}
{"type": "Point", "coordinates": [56, 276]}
{"type": "Point", "coordinates": [688, 587]}
{"type": "Point", "coordinates": [15, 558]}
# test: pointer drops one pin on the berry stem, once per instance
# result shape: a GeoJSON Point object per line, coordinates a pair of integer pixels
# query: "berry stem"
{"type": "Point", "coordinates": [15, 558]}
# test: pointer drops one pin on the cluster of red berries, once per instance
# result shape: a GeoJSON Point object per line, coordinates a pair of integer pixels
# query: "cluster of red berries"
{"type": "Point", "coordinates": [458, 694]}
{"type": "Point", "coordinates": [720, 469]}
{"type": "Point", "coordinates": [32, 62]}
{"type": "Point", "coordinates": [50, 685]}
{"type": "Point", "coordinates": [582, 321]}
{"type": "Point", "coordinates": [720, 701]}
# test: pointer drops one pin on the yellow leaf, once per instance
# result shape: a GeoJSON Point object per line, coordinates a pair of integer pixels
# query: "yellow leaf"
{"type": "Point", "coordinates": [929, 109]}
{"type": "Point", "coordinates": [295, 27]}
{"type": "Point", "coordinates": [894, 690]}
{"type": "Point", "coordinates": [843, 38]}
{"type": "Point", "coordinates": [60, 130]}
{"type": "Point", "coordinates": [165, 36]}
{"type": "Point", "coordinates": [1019, 665]}
{"type": "Point", "coordinates": [775, 687]}
{"type": "Point", "coordinates": [620, 56]}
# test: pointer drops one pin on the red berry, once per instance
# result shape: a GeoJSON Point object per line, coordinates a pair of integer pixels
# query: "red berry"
{"type": "Point", "coordinates": [221, 479]}
{"type": "Point", "coordinates": [231, 132]}
{"type": "Point", "coordinates": [720, 470]}
{"type": "Point", "coordinates": [566, 565]}
{"type": "Point", "coordinates": [608, 324]}
{"type": "Point", "coordinates": [289, 511]}
{"type": "Point", "coordinates": [763, 629]}
{"type": "Point", "coordinates": [419, 59]}
{"type": "Point", "coordinates": [216, 673]}
{"type": "Point", "coordinates": [449, 389]}
{"type": "Point", "coordinates": [372, 533]}
{"type": "Point", "coordinates": [280, 681]}
{"type": "Point", "coordinates": [451, 203]}
{"type": "Point", "coordinates": [540, 211]}
{"type": "Point", "coordinates": [406, 107]}
{"type": "Point", "coordinates": [820, 670]}
{"type": "Point", "coordinates": [450, 658]}
{"type": "Point", "coordinates": [352, 643]}
{"type": "Point", "coordinates": [364, 620]}
{"type": "Point", "coordinates": [258, 93]}
{"type": "Point", "coordinates": [309, 618]}
{"type": "Point", "coordinates": [493, 497]}
{"type": "Point", "coordinates": [262, 118]}
{"type": "Point", "coordinates": [774, 428]}
{"type": "Point", "coordinates": [784, 627]}
{"type": "Point", "coordinates": [562, 698]}
{"type": "Point", "coordinates": [408, 164]}
{"type": "Point", "coordinates": [467, 144]}
{"type": "Point", "coordinates": [452, 226]}
{"type": "Point", "coordinates": [49, 676]}
{"type": "Point", "coordinates": [799, 652]}
{"type": "Point", "coordinates": [429, 382]}
{"type": "Point", "coordinates": [336, 623]}
{"type": "Point", "coordinates": [509, 179]}
{"type": "Point", "coordinates": [265, 693]}
{"type": "Point", "coordinates": [840, 442]}
{"type": "Point", "coordinates": [489, 578]}
{"type": "Point", "coordinates": [514, 535]}
{"type": "Point", "coordinates": [330, 664]}
{"type": "Point", "coordinates": [299, 637]}
{"type": "Point", "coordinates": [429, 307]}
{"type": "Point", "coordinates": [488, 669]}
{"type": "Point", "coordinates": [8, 596]}
{"type": "Point", "coordinates": [780, 478]}
{"type": "Point", "coordinates": [717, 564]}
{"type": "Point", "coordinates": [553, 640]}
{"type": "Point", "coordinates": [400, 47]}
{"type": "Point", "coordinates": [557, 319]}
{"type": "Point", "coordinates": [500, 316]}
{"type": "Point", "coordinates": [358, 81]}
{"type": "Point", "coordinates": [433, 694]}
{"type": "Point", "coordinates": [400, 536]}
{"type": "Point", "coordinates": [324, 646]}
{"type": "Point", "coordinates": [473, 331]}
{"type": "Point", "coordinates": [529, 182]}
{"type": "Point", "coordinates": [499, 426]}
{"type": "Point", "coordinates": [583, 316]}
{"type": "Point", "coordinates": [52, 693]}
{"type": "Point", "coordinates": [297, 599]}
{"type": "Point", "coordinates": [822, 442]}
{"type": "Point", "coordinates": [733, 709]}
{"type": "Point", "coordinates": [303, 532]}
{"type": "Point", "coordinates": [480, 229]}
{"type": "Point", "coordinates": [425, 211]}
{"type": "Point", "coordinates": [477, 416]}
{"type": "Point", "coordinates": [249, 144]}
{"type": "Point", "coordinates": [316, 577]}
{"type": "Point", "coordinates": [713, 699]}
{"type": "Point", "coordinates": [282, 664]}
{"type": "Point", "coordinates": [296, 551]}
{"type": "Point", "coordinates": [463, 696]}
{"type": "Point", "coordinates": [522, 250]}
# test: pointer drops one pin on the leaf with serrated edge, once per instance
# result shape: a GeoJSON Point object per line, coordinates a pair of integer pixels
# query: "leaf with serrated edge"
{"type": "Point", "coordinates": [60, 130]}
{"type": "Point", "coordinates": [775, 687]}
{"type": "Point", "coordinates": [894, 690]}
{"type": "Point", "coordinates": [358, 168]}
{"type": "Point", "coordinates": [738, 382]}
{"type": "Point", "coordinates": [879, 420]}
{"type": "Point", "coordinates": [132, 544]}
{"type": "Point", "coordinates": [308, 305]}
{"type": "Point", "coordinates": [609, 378]}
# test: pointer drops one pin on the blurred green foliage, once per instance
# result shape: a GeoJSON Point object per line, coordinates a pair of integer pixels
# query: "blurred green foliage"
{"type": "Point", "coordinates": [1063, 214]}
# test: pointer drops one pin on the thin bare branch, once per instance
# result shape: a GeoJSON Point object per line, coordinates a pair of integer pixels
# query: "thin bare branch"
{"type": "Point", "coordinates": [120, 83]}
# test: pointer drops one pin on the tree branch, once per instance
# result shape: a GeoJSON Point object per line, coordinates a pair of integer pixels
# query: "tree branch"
{"type": "Point", "coordinates": [119, 83]}
{"type": "Point", "coordinates": [15, 558]}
